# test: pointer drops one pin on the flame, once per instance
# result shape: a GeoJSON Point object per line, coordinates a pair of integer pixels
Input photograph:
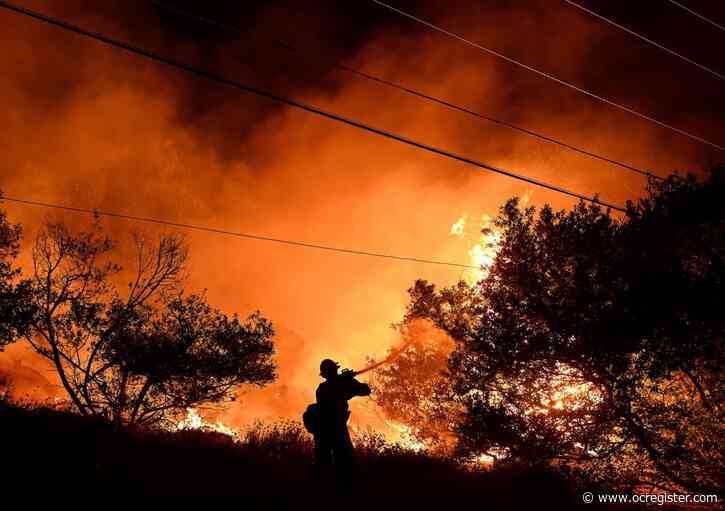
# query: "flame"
{"type": "Point", "coordinates": [459, 228]}
{"type": "Point", "coordinates": [483, 253]}
{"type": "Point", "coordinates": [187, 153]}
{"type": "Point", "coordinates": [194, 421]}
{"type": "Point", "coordinates": [570, 396]}
{"type": "Point", "coordinates": [484, 460]}
{"type": "Point", "coordinates": [406, 437]}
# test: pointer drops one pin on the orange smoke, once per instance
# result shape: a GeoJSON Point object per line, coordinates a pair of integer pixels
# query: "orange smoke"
{"type": "Point", "coordinates": [93, 127]}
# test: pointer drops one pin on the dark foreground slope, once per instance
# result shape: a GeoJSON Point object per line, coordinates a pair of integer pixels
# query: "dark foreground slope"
{"type": "Point", "coordinates": [49, 453]}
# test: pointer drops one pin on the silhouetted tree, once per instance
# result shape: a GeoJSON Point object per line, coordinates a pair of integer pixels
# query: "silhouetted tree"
{"type": "Point", "coordinates": [147, 354]}
{"type": "Point", "coordinates": [15, 311]}
{"type": "Point", "coordinates": [598, 342]}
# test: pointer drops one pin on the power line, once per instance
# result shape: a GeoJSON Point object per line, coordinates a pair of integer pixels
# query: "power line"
{"type": "Point", "coordinates": [419, 94]}
{"type": "Point", "coordinates": [695, 13]}
{"type": "Point", "coordinates": [298, 104]}
{"type": "Point", "coordinates": [646, 39]}
{"type": "Point", "coordinates": [233, 233]}
{"type": "Point", "coordinates": [550, 76]}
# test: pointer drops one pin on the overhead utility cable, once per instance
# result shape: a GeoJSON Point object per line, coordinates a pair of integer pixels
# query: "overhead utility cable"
{"type": "Point", "coordinates": [298, 104]}
{"type": "Point", "coordinates": [232, 233]}
{"type": "Point", "coordinates": [697, 14]}
{"type": "Point", "coordinates": [552, 77]}
{"type": "Point", "coordinates": [646, 39]}
{"type": "Point", "coordinates": [416, 93]}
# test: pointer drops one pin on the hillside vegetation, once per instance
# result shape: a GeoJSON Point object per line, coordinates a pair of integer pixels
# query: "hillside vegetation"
{"type": "Point", "coordinates": [65, 454]}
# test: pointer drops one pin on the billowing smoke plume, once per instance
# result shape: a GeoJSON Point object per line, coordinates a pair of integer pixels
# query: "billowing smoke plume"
{"type": "Point", "coordinates": [90, 126]}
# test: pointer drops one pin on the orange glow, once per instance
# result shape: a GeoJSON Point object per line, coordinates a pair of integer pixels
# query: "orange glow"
{"type": "Point", "coordinates": [482, 254]}
{"type": "Point", "coordinates": [92, 127]}
{"type": "Point", "coordinates": [195, 421]}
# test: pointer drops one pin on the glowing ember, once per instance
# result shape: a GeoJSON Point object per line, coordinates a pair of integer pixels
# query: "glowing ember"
{"type": "Point", "coordinates": [485, 460]}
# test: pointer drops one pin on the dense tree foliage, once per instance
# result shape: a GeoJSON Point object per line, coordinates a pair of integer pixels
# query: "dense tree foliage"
{"type": "Point", "coordinates": [597, 342]}
{"type": "Point", "coordinates": [144, 355]}
{"type": "Point", "coordinates": [15, 309]}
{"type": "Point", "coordinates": [414, 390]}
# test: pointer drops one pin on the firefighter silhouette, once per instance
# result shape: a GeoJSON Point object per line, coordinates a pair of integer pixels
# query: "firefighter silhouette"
{"type": "Point", "coordinates": [327, 419]}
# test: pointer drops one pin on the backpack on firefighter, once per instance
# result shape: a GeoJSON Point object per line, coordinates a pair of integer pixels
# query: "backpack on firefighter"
{"type": "Point", "coordinates": [311, 418]}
